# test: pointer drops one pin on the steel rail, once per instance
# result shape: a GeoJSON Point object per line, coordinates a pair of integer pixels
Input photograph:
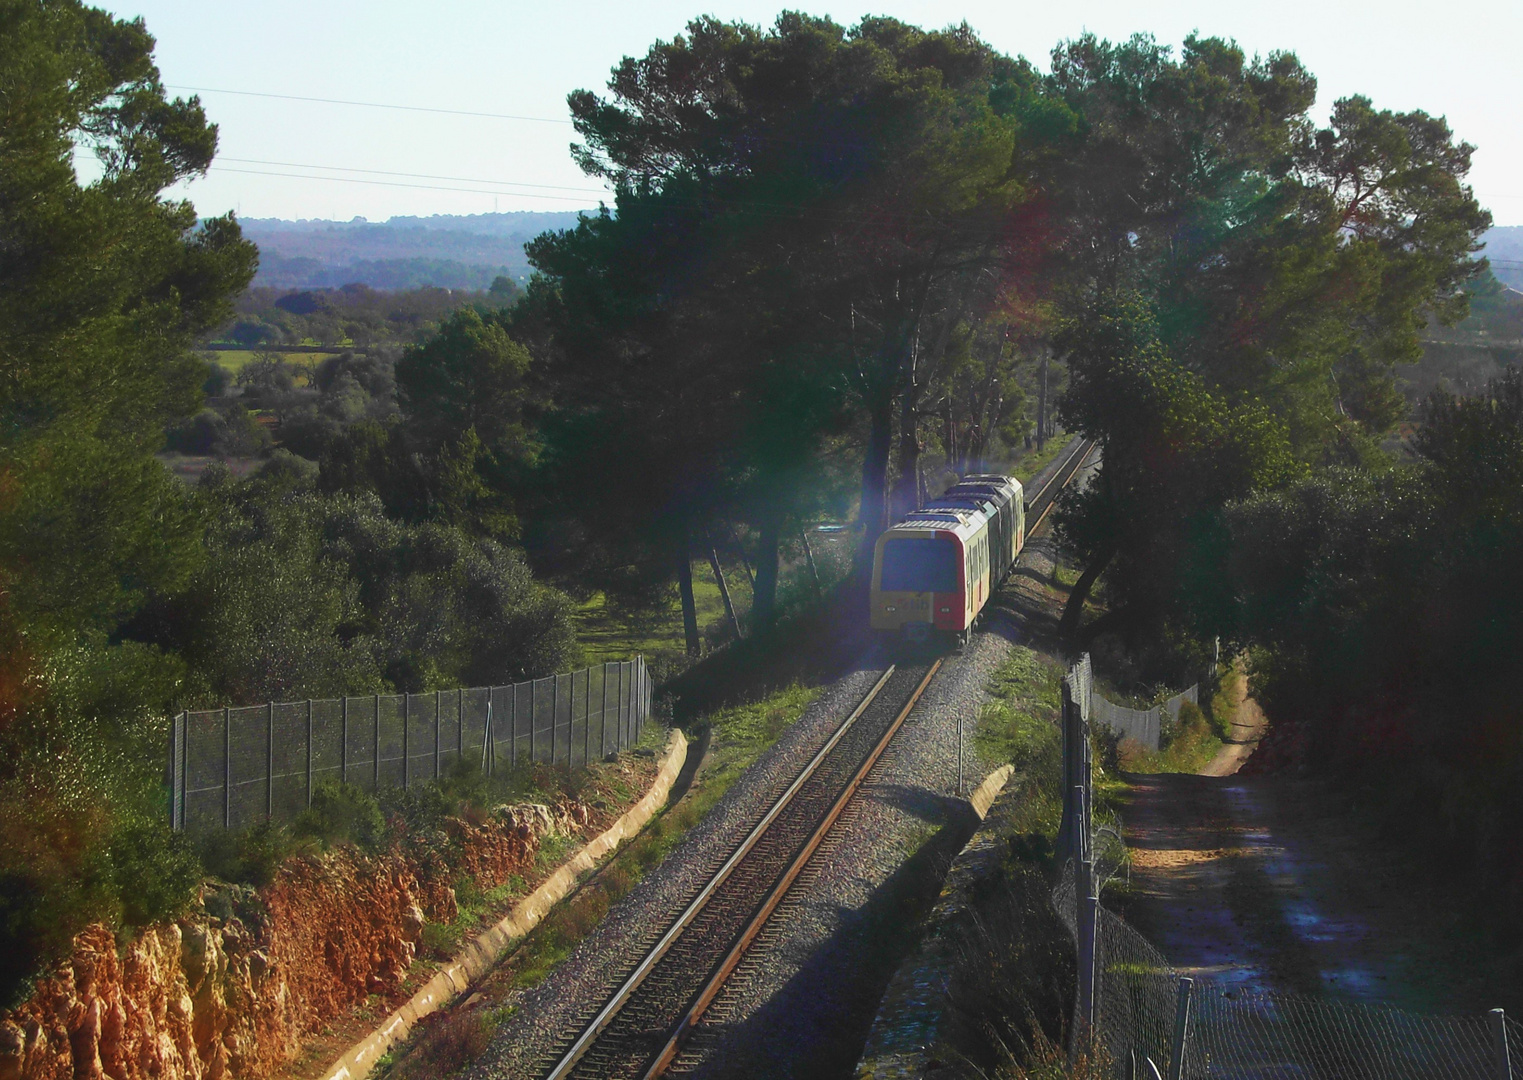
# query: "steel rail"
{"type": "Point", "coordinates": [737, 951]}
{"type": "Point", "coordinates": [590, 1034]}
{"type": "Point", "coordinates": [1077, 444]}
{"type": "Point", "coordinates": [1072, 465]}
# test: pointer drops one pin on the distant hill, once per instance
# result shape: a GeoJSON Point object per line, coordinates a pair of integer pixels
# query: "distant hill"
{"type": "Point", "coordinates": [1504, 247]}
{"type": "Point", "coordinates": [450, 251]}
{"type": "Point", "coordinates": [468, 251]}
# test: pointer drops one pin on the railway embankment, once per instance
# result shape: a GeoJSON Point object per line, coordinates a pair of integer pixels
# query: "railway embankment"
{"type": "Point", "coordinates": [256, 979]}
{"type": "Point", "coordinates": [992, 972]}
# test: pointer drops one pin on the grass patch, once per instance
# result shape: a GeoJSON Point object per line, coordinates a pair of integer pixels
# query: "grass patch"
{"type": "Point", "coordinates": [1020, 725]}
{"type": "Point", "coordinates": [236, 359]}
{"type": "Point", "coordinates": [609, 632]}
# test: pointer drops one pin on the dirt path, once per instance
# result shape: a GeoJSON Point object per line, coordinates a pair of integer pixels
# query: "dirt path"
{"type": "Point", "coordinates": [1278, 883]}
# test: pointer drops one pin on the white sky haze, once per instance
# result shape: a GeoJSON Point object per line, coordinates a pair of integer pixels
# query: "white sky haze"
{"type": "Point", "coordinates": [1461, 61]}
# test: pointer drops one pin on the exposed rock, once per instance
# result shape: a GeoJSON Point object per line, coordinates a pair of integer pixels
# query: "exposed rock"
{"type": "Point", "coordinates": [229, 992]}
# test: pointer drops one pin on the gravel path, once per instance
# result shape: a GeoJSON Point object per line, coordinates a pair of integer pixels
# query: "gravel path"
{"type": "Point", "coordinates": [801, 1003]}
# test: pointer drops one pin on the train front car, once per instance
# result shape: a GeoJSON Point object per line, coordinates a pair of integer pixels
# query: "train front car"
{"type": "Point", "coordinates": [920, 583]}
{"type": "Point", "coordinates": [934, 571]}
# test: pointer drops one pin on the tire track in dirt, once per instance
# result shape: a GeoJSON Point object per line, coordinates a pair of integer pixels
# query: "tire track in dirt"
{"type": "Point", "coordinates": [1276, 883]}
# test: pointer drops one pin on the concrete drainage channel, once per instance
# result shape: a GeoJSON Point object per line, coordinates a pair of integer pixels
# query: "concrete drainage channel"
{"type": "Point", "coordinates": [490, 947]}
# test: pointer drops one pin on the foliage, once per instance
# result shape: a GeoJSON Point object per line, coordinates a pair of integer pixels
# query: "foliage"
{"type": "Point", "coordinates": [342, 814]}
{"type": "Point", "coordinates": [1383, 612]}
{"type": "Point", "coordinates": [353, 315]}
{"type": "Point", "coordinates": [1252, 278]}
{"type": "Point", "coordinates": [103, 286]}
{"type": "Point", "coordinates": [309, 595]}
{"type": "Point", "coordinates": [1020, 725]}
{"type": "Point", "coordinates": [735, 318]}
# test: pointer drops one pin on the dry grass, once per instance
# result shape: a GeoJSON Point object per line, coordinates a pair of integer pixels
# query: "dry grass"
{"type": "Point", "coordinates": [457, 1038]}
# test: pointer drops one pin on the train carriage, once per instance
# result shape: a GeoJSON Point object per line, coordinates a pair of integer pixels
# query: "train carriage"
{"type": "Point", "coordinates": [934, 572]}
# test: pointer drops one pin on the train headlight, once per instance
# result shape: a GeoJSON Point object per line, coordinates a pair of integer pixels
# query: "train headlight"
{"type": "Point", "coordinates": [890, 607]}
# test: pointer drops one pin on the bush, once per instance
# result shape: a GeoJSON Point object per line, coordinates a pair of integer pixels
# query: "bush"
{"type": "Point", "coordinates": [155, 872]}
{"type": "Point", "coordinates": [458, 1038]}
{"type": "Point", "coordinates": [250, 857]}
{"type": "Point", "coordinates": [342, 814]}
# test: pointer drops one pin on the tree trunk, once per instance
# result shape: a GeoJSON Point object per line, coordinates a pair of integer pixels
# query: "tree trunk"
{"type": "Point", "coordinates": [1041, 411]}
{"type": "Point", "coordinates": [724, 591]}
{"type": "Point", "coordinates": [1073, 612]}
{"type": "Point", "coordinates": [906, 499]}
{"type": "Point", "coordinates": [874, 475]}
{"type": "Point", "coordinates": [764, 604]}
{"type": "Point", "coordinates": [814, 571]}
{"type": "Point", "coordinates": [689, 608]}
{"type": "Point", "coordinates": [740, 550]}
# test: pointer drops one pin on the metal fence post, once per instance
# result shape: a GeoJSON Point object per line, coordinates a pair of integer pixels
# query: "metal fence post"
{"type": "Point", "coordinates": [513, 726]}
{"type": "Point", "coordinates": [533, 718]}
{"type": "Point", "coordinates": [623, 736]}
{"type": "Point", "coordinates": [460, 722]}
{"type": "Point", "coordinates": [269, 760]}
{"type": "Point", "coordinates": [603, 716]}
{"type": "Point", "coordinates": [586, 716]}
{"type": "Point", "coordinates": [375, 749]}
{"type": "Point", "coordinates": [438, 694]}
{"type": "Point", "coordinates": [1499, 1040]}
{"type": "Point", "coordinates": [486, 736]}
{"type": "Point", "coordinates": [1181, 1028]}
{"type": "Point", "coordinates": [406, 718]}
{"type": "Point", "coordinates": [227, 768]}
{"type": "Point", "coordinates": [571, 725]}
{"type": "Point", "coordinates": [309, 751]}
{"type": "Point", "coordinates": [555, 720]}
{"type": "Point", "coordinates": [178, 732]}
{"type": "Point", "coordinates": [343, 746]}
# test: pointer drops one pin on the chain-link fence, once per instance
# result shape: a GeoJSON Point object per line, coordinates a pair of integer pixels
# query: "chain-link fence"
{"type": "Point", "coordinates": [1144, 726]}
{"type": "Point", "coordinates": [1151, 1022]}
{"type": "Point", "coordinates": [232, 767]}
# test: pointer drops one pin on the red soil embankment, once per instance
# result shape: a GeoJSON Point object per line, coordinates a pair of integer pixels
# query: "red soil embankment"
{"type": "Point", "coordinates": [232, 990]}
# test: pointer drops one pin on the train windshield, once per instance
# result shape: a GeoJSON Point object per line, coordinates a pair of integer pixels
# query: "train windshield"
{"type": "Point", "coordinates": [919, 564]}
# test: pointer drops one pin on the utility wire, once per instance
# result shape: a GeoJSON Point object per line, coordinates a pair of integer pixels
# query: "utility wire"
{"type": "Point", "coordinates": [415, 176]}
{"type": "Point", "coordinates": [371, 104]}
{"type": "Point", "coordinates": [395, 183]}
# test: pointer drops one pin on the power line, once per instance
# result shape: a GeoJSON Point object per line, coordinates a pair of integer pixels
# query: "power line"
{"type": "Point", "coordinates": [371, 104]}
{"type": "Point", "coordinates": [394, 183]}
{"type": "Point", "coordinates": [416, 176]}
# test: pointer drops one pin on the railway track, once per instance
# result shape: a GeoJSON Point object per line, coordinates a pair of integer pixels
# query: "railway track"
{"type": "Point", "coordinates": [640, 1029]}
{"type": "Point", "coordinates": [1047, 495]}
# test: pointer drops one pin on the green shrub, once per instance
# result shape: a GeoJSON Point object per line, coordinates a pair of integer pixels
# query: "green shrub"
{"type": "Point", "coordinates": [154, 871]}
{"type": "Point", "coordinates": [342, 814]}
{"type": "Point", "coordinates": [250, 857]}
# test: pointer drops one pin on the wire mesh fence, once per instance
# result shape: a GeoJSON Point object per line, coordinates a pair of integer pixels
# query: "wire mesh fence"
{"type": "Point", "coordinates": [232, 767]}
{"type": "Point", "coordinates": [1144, 726]}
{"type": "Point", "coordinates": [1152, 1022]}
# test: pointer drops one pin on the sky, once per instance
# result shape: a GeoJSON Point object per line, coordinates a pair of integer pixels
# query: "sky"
{"type": "Point", "coordinates": [307, 159]}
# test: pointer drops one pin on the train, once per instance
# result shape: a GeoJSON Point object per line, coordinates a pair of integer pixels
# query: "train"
{"type": "Point", "coordinates": [934, 571]}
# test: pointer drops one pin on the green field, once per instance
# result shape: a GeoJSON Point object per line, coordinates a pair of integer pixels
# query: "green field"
{"type": "Point", "coordinates": [235, 359]}
{"type": "Point", "coordinates": [608, 633]}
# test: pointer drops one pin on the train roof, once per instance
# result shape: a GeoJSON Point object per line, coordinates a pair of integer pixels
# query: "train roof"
{"type": "Point", "coordinates": [968, 487]}
{"type": "Point", "coordinates": [979, 505]}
